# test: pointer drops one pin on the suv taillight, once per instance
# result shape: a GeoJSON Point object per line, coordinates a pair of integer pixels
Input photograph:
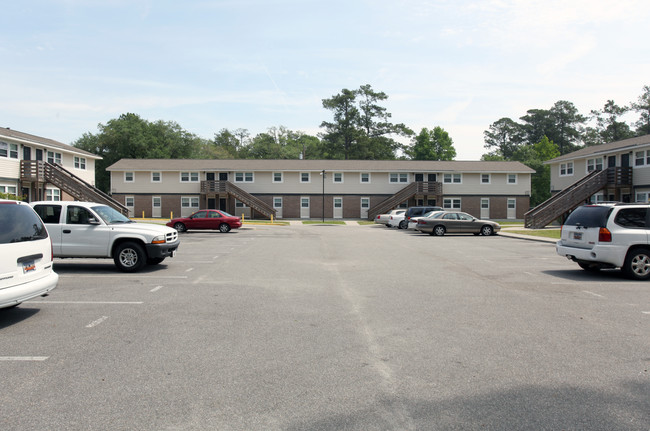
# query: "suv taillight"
{"type": "Point", "coordinates": [604, 235]}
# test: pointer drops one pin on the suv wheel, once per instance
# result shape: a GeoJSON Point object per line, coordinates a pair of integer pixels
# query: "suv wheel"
{"type": "Point", "coordinates": [637, 264]}
{"type": "Point", "coordinates": [129, 256]}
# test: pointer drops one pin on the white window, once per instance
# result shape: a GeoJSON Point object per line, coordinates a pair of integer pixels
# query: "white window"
{"type": "Point", "coordinates": [395, 177]}
{"type": "Point", "coordinates": [277, 177]}
{"type": "Point", "coordinates": [244, 177]}
{"type": "Point", "coordinates": [451, 203]}
{"type": "Point", "coordinates": [512, 178]}
{"type": "Point", "coordinates": [52, 194]}
{"type": "Point", "coordinates": [240, 204]}
{"type": "Point", "coordinates": [189, 177]}
{"type": "Point", "coordinates": [80, 162]}
{"type": "Point", "coordinates": [277, 202]}
{"type": "Point", "coordinates": [566, 169]}
{"type": "Point", "coordinates": [129, 201]}
{"type": "Point", "coordinates": [305, 177]}
{"type": "Point", "coordinates": [452, 178]}
{"type": "Point", "coordinates": [54, 158]}
{"type": "Point", "coordinates": [642, 158]}
{"type": "Point", "coordinates": [338, 177]}
{"type": "Point", "coordinates": [8, 189]}
{"type": "Point", "coordinates": [128, 177]}
{"type": "Point", "coordinates": [365, 177]}
{"type": "Point", "coordinates": [8, 150]}
{"type": "Point", "coordinates": [155, 177]}
{"type": "Point", "coordinates": [189, 202]}
{"type": "Point", "coordinates": [595, 164]}
{"type": "Point", "coordinates": [485, 178]}
{"type": "Point", "coordinates": [365, 203]}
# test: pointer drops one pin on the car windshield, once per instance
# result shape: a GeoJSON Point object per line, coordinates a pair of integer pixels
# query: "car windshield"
{"type": "Point", "coordinates": [589, 216]}
{"type": "Point", "coordinates": [19, 223]}
{"type": "Point", "coordinates": [225, 214]}
{"type": "Point", "coordinates": [110, 215]}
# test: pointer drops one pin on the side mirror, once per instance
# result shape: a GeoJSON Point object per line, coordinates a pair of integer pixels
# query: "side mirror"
{"type": "Point", "coordinates": [93, 220]}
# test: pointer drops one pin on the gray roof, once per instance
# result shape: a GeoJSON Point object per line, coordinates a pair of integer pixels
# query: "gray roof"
{"type": "Point", "coordinates": [48, 143]}
{"type": "Point", "coordinates": [317, 165]}
{"type": "Point", "coordinates": [612, 147]}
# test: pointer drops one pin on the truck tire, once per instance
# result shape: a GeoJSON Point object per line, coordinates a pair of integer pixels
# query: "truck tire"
{"type": "Point", "coordinates": [129, 257]}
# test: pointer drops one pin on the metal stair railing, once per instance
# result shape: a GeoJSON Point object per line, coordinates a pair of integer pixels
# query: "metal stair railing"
{"type": "Point", "coordinates": [566, 200]}
{"type": "Point", "coordinates": [247, 198]}
{"type": "Point", "coordinates": [78, 188]}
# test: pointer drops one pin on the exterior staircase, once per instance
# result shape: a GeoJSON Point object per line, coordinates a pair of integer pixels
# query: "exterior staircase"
{"type": "Point", "coordinates": [40, 172]}
{"type": "Point", "coordinates": [424, 188]}
{"type": "Point", "coordinates": [571, 197]}
{"type": "Point", "coordinates": [228, 188]}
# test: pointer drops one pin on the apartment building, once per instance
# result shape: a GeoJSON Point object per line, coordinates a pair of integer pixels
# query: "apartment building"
{"type": "Point", "coordinates": [311, 189]}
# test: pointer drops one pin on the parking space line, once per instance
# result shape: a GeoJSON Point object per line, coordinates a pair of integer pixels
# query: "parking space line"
{"type": "Point", "coordinates": [24, 358]}
{"type": "Point", "coordinates": [96, 322]}
{"type": "Point", "coordinates": [592, 293]}
{"type": "Point", "coordinates": [189, 270]}
{"type": "Point", "coordinates": [88, 302]}
{"type": "Point", "coordinates": [123, 276]}
{"type": "Point", "coordinates": [155, 289]}
{"type": "Point", "coordinates": [645, 312]}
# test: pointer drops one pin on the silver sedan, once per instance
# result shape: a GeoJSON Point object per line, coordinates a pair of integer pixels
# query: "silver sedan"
{"type": "Point", "coordinates": [456, 222]}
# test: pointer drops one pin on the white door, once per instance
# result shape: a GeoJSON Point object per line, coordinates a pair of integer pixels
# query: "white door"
{"type": "Point", "coordinates": [277, 206]}
{"type": "Point", "coordinates": [365, 204]}
{"type": "Point", "coordinates": [129, 203]}
{"type": "Point", "coordinates": [304, 207]}
{"type": "Point", "coordinates": [512, 208]}
{"type": "Point", "coordinates": [485, 208]}
{"type": "Point", "coordinates": [338, 208]}
{"type": "Point", "coordinates": [155, 207]}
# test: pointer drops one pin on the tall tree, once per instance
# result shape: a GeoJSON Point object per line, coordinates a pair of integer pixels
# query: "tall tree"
{"type": "Point", "coordinates": [608, 123]}
{"type": "Point", "coordinates": [534, 157]}
{"type": "Point", "coordinates": [503, 138]}
{"type": "Point", "coordinates": [567, 126]}
{"type": "Point", "coordinates": [342, 133]}
{"type": "Point", "coordinates": [435, 144]}
{"type": "Point", "coordinates": [642, 107]}
{"type": "Point", "coordinates": [129, 136]}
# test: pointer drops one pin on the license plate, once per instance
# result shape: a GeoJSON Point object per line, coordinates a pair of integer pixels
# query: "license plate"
{"type": "Point", "coordinates": [577, 235]}
{"type": "Point", "coordinates": [29, 267]}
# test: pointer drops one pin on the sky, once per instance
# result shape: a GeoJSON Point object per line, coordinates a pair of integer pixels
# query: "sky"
{"type": "Point", "coordinates": [69, 65]}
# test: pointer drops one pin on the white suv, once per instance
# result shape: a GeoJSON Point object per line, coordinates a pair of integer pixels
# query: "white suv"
{"type": "Point", "coordinates": [26, 269]}
{"type": "Point", "coordinates": [609, 236]}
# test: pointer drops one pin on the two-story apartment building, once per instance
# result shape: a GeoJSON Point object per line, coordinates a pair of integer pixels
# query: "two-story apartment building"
{"type": "Point", "coordinates": [319, 188]}
{"type": "Point", "coordinates": [23, 169]}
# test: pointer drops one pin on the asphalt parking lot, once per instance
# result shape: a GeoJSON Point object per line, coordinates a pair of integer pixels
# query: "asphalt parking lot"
{"type": "Point", "coordinates": [332, 328]}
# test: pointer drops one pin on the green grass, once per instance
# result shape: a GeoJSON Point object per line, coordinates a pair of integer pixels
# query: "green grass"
{"type": "Point", "coordinates": [546, 233]}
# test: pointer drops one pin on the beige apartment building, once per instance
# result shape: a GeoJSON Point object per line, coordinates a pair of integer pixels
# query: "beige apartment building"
{"type": "Point", "coordinates": [311, 189]}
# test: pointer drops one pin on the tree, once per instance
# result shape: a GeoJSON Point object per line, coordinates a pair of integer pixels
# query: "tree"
{"type": "Point", "coordinates": [227, 144]}
{"type": "Point", "coordinates": [534, 157]}
{"type": "Point", "coordinates": [503, 137]}
{"type": "Point", "coordinates": [435, 144]}
{"type": "Point", "coordinates": [642, 106]}
{"type": "Point", "coordinates": [129, 136]}
{"type": "Point", "coordinates": [567, 126]}
{"type": "Point", "coordinates": [361, 128]}
{"type": "Point", "coordinates": [608, 125]}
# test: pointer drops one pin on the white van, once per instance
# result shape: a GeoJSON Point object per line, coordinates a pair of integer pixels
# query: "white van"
{"type": "Point", "coordinates": [26, 267]}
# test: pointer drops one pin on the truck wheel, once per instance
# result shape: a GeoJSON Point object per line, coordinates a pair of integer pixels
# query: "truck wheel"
{"type": "Point", "coordinates": [129, 257]}
{"type": "Point", "coordinates": [637, 264]}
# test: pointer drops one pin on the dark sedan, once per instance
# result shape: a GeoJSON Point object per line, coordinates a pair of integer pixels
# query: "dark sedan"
{"type": "Point", "coordinates": [206, 219]}
{"type": "Point", "coordinates": [456, 222]}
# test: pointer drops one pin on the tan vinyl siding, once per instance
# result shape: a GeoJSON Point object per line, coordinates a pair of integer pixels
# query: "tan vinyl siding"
{"type": "Point", "coordinates": [9, 168]}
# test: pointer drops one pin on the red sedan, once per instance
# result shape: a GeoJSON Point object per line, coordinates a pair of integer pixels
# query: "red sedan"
{"type": "Point", "coordinates": [206, 219]}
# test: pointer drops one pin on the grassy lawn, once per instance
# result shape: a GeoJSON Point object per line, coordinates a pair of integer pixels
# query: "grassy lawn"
{"type": "Point", "coordinates": [546, 233]}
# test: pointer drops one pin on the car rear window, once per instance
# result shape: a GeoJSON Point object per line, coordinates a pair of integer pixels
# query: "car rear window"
{"type": "Point", "coordinates": [589, 216]}
{"type": "Point", "coordinates": [20, 223]}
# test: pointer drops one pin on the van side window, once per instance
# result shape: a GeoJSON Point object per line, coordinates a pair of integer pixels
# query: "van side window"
{"type": "Point", "coordinates": [49, 213]}
{"type": "Point", "coordinates": [631, 217]}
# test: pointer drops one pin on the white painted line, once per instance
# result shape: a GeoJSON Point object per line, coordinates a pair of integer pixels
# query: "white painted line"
{"type": "Point", "coordinates": [156, 289]}
{"type": "Point", "coordinates": [122, 276]}
{"type": "Point", "coordinates": [189, 269]}
{"type": "Point", "coordinates": [96, 322]}
{"type": "Point", "coordinates": [645, 312]}
{"type": "Point", "coordinates": [24, 358]}
{"type": "Point", "coordinates": [86, 302]}
{"type": "Point", "coordinates": [592, 293]}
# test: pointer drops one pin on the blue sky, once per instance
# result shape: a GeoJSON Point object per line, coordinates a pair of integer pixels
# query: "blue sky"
{"type": "Point", "coordinates": [70, 65]}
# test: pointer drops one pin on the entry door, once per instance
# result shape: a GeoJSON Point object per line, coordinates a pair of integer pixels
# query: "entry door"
{"type": "Point", "coordinates": [365, 204]}
{"type": "Point", "coordinates": [338, 208]}
{"type": "Point", "coordinates": [277, 206]}
{"type": "Point", "coordinates": [129, 203]}
{"type": "Point", "coordinates": [209, 176]}
{"type": "Point", "coordinates": [223, 176]}
{"type": "Point", "coordinates": [156, 207]}
{"type": "Point", "coordinates": [485, 208]}
{"type": "Point", "coordinates": [304, 207]}
{"type": "Point", "coordinates": [512, 208]}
